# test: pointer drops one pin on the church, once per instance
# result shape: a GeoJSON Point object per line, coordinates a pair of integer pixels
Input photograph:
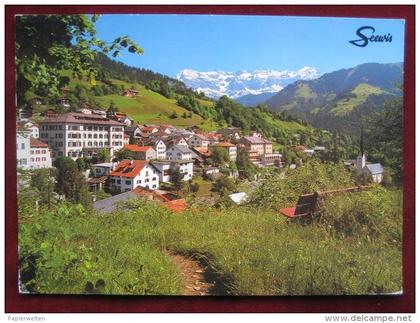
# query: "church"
{"type": "Point", "coordinates": [374, 171]}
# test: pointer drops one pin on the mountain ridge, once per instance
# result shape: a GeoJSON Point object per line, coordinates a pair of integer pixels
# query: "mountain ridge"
{"type": "Point", "coordinates": [339, 99]}
{"type": "Point", "coordinates": [236, 84]}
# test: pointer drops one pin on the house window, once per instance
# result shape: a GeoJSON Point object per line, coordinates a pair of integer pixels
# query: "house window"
{"type": "Point", "coordinates": [154, 178]}
{"type": "Point", "coordinates": [127, 182]}
{"type": "Point", "coordinates": [147, 180]}
{"type": "Point", "coordinates": [22, 146]}
{"type": "Point", "coordinates": [118, 181]}
{"type": "Point", "coordinates": [112, 180]}
{"type": "Point", "coordinates": [154, 186]}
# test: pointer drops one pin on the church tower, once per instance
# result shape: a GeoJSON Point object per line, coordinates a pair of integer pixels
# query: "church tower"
{"type": "Point", "coordinates": [361, 158]}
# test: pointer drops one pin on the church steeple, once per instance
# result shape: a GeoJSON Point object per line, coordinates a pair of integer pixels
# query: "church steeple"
{"type": "Point", "coordinates": [361, 159]}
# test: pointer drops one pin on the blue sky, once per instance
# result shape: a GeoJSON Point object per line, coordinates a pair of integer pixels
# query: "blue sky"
{"type": "Point", "coordinates": [235, 43]}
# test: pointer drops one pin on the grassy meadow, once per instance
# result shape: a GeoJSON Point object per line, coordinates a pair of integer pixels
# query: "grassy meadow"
{"type": "Point", "coordinates": [353, 248]}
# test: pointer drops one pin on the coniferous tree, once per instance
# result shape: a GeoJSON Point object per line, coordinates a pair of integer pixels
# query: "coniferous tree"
{"type": "Point", "coordinates": [70, 182]}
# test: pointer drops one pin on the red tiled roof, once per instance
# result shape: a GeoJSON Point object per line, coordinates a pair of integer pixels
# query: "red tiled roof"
{"type": "Point", "coordinates": [176, 205]}
{"type": "Point", "coordinates": [129, 168]}
{"type": "Point", "coordinates": [38, 143]}
{"type": "Point", "coordinates": [214, 135]}
{"type": "Point", "coordinates": [148, 128]}
{"type": "Point", "coordinates": [150, 194]}
{"type": "Point", "coordinates": [202, 151]}
{"type": "Point", "coordinates": [136, 148]}
{"type": "Point", "coordinates": [224, 144]}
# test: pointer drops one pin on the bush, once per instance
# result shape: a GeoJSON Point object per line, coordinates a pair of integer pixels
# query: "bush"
{"type": "Point", "coordinates": [375, 213]}
{"type": "Point", "coordinates": [282, 190]}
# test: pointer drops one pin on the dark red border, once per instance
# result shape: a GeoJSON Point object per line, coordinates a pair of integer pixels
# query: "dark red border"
{"type": "Point", "coordinates": [15, 303]}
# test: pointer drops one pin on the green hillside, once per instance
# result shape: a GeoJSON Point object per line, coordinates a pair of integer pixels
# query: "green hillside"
{"type": "Point", "coordinates": [341, 99]}
{"type": "Point", "coordinates": [147, 107]}
{"type": "Point", "coordinates": [150, 107]}
{"type": "Point", "coordinates": [358, 96]}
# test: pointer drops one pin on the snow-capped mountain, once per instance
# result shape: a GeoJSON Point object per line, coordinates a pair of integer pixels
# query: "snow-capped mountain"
{"type": "Point", "coordinates": [236, 84]}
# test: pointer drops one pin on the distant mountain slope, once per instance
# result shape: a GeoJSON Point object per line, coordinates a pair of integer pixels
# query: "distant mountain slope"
{"type": "Point", "coordinates": [251, 100]}
{"type": "Point", "coordinates": [338, 100]}
{"type": "Point", "coordinates": [236, 84]}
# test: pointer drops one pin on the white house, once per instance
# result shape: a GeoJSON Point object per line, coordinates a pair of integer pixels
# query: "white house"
{"type": "Point", "coordinates": [141, 152]}
{"type": "Point", "coordinates": [159, 146]}
{"type": "Point", "coordinates": [23, 145]}
{"type": "Point", "coordinates": [185, 167]}
{"type": "Point", "coordinates": [176, 141]}
{"type": "Point", "coordinates": [165, 166]}
{"type": "Point", "coordinates": [178, 152]}
{"type": "Point", "coordinates": [34, 130]}
{"type": "Point", "coordinates": [130, 174]}
{"type": "Point", "coordinates": [229, 147]}
{"type": "Point", "coordinates": [40, 154]}
{"type": "Point", "coordinates": [29, 125]}
{"type": "Point", "coordinates": [198, 140]}
{"type": "Point", "coordinates": [231, 132]}
{"type": "Point", "coordinates": [127, 121]}
{"type": "Point", "coordinates": [147, 130]}
{"type": "Point", "coordinates": [102, 169]}
{"type": "Point", "coordinates": [134, 131]}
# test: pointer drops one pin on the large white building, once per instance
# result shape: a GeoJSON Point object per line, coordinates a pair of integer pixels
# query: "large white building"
{"type": "Point", "coordinates": [77, 134]}
{"type": "Point", "coordinates": [198, 140]}
{"type": "Point", "coordinates": [178, 152]}
{"type": "Point", "coordinates": [130, 174]}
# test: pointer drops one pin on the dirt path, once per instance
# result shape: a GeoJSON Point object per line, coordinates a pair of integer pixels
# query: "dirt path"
{"type": "Point", "coordinates": [198, 279]}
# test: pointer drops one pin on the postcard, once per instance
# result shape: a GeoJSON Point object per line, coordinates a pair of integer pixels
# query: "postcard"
{"type": "Point", "coordinates": [209, 155]}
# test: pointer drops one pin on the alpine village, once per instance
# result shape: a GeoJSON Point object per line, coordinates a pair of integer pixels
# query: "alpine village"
{"type": "Point", "coordinates": [130, 182]}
